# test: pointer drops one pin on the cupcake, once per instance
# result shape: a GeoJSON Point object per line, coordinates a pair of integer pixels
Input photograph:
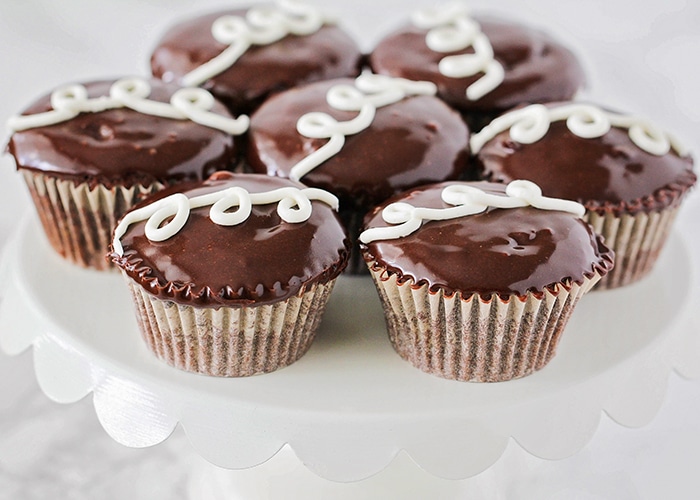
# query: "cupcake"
{"type": "Point", "coordinates": [364, 140]}
{"type": "Point", "coordinates": [478, 280]}
{"type": "Point", "coordinates": [481, 66]}
{"type": "Point", "coordinates": [230, 276]}
{"type": "Point", "coordinates": [629, 174]}
{"type": "Point", "coordinates": [242, 56]}
{"type": "Point", "coordinates": [90, 152]}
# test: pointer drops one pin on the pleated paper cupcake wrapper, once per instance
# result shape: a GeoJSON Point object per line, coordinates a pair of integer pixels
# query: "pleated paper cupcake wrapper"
{"type": "Point", "coordinates": [230, 341]}
{"type": "Point", "coordinates": [472, 339]}
{"type": "Point", "coordinates": [637, 241]}
{"type": "Point", "coordinates": [78, 219]}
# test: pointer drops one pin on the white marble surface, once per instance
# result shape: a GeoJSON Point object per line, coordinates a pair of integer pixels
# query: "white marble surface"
{"type": "Point", "coordinates": [642, 57]}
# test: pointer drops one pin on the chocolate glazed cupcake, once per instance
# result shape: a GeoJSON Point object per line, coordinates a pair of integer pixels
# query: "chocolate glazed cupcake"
{"type": "Point", "coordinates": [236, 281]}
{"type": "Point", "coordinates": [90, 152]}
{"type": "Point", "coordinates": [630, 175]}
{"type": "Point", "coordinates": [478, 280]}
{"type": "Point", "coordinates": [364, 140]}
{"type": "Point", "coordinates": [242, 56]}
{"type": "Point", "coordinates": [481, 66]}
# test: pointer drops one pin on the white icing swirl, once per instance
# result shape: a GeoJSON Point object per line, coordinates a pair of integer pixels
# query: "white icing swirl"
{"type": "Point", "coordinates": [185, 104]}
{"type": "Point", "coordinates": [369, 93]}
{"type": "Point", "coordinates": [451, 29]}
{"type": "Point", "coordinates": [293, 206]}
{"type": "Point", "coordinates": [465, 200]}
{"type": "Point", "coordinates": [263, 25]}
{"type": "Point", "coordinates": [530, 124]}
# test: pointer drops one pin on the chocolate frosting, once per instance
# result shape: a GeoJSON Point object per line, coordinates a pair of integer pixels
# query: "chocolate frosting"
{"type": "Point", "coordinates": [260, 261]}
{"type": "Point", "coordinates": [261, 70]}
{"type": "Point", "coordinates": [609, 173]}
{"type": "Point", "coordinates": [122, 146]}
{"type": "Point", "coordinates": [504, 251]}
{"type": "Point", "coordinates": [537, 68]}
{"type": "Point", "coordinates": [414, 141]}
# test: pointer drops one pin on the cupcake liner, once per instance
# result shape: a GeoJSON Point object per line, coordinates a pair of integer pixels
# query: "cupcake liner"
{"type": "Point", "coordinates": [78, 218]}
{"type": "Point", "coordinates": [637, 240]}
{"type": "Point", "coordinates": [475, 338]}
{"type": "Point", "coordinates": [230, 341]}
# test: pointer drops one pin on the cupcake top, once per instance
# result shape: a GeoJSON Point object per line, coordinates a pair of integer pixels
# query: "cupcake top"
{"type": "Point", "coordinates": [479, 64]}
{"type": "Point", "coordinates": [576, 151]}
{"type": "Point", "coordinates": [244, 55]}
{"type": "Point", "coordinates": [125, 132]}
{"type": "Point", "coordinates": [364, 139]}
{"type": "Point", "coordinates": [481, 237]}
{"type": "Point", "coordinates": [232, 240]}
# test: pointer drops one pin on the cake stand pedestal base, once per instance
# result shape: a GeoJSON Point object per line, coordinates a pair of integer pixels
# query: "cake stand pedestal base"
{"type": "Point", "coordinates": [285, 476]}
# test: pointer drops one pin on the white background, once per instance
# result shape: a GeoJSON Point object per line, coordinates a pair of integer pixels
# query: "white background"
{"type": "Point", "coordinates": [642, 56]}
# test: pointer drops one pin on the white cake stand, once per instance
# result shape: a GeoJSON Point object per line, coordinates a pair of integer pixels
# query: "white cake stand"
{"type": "Point", "coordinates": [349, 406]}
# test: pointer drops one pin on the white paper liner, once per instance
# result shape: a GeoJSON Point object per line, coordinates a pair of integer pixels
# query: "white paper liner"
{"type": "Point", "coordinates": [636, 239]}
{"type": "Point", "coordinates": [79, 220]}
{"type": "Point", "coordinates": [230, 341]}
{"type": "Point", "coordinates": [472, 339]}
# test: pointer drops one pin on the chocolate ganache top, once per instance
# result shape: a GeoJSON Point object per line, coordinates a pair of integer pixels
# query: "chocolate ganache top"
{"type": "Point", "coordinates": [262, 69]}
{"type": "Point", "coordinates": [607, 173]}
{"type": "Point", "coordinates": [262, 260]}
{"type": "Point", "coordinates": [414, 141]}
{"type": "Point", "coordinates": [504, 251]}
{"type": "Point", "coordinates": [122, 146]}
{"type": "Point", "coordinates": [537, 68]}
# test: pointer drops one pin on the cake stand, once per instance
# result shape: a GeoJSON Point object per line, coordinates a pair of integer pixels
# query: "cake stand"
{"type": "Point", "coordinates": [350, 405]}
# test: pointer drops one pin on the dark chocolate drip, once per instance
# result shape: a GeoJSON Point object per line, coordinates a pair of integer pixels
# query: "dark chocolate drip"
{"type": "Point", "coordinates": [261, 70]}
{"type": "Point", "coordinates": [609, 172]}
{"type": "Point", "coordinates": [262, 260]}
{"type": "Point", "coordinates": [123, 146]}
{"type": "Point", "coordinates": [414, 141]}
{"type": "Point", "coordinates": [537, 68]}
{"type": "Point", "coordinates": [501, 250]}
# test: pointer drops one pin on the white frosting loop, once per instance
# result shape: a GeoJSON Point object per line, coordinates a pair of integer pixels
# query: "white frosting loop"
{"type": "Point", "coordinates": [221, 212]}
{"type": "Point", "coordinates": [450, 29]}
{"type": "Point", "coordinates": [229, 207]}
{"type": "Point", "coordinates": [185, 104]}
{"type": "Point", "coordinates": [369, 93]}
{"type": "Point", "coordinates": [263, 25]}
{"type": "Point", "coordinates": [177, 208]}
{"type": "Point", "coordinates": [317, 125]}
{"type": "Point", "coordinates": [69, 97]}
{"type": "Point", "coordinates": [530, 124]}
{"type": "Point", "coordinates": [531, 194]}
{"type": "Point", "coordinates": [465, 200]}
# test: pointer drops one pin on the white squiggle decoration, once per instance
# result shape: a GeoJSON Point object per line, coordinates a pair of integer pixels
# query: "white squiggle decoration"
{"type": "Point", "coordinates": [466, 200]}
{"type": "Point", "coordinates": [188, 103]}
{"type": "Point", "coordinates": [177, 207]}
{"type": "Point", "coordinates": [369, 93]}
{"type": "Point", "coordinates": [451, 29]}
{"type": "Point", "coordinates": [530, 124]}
{"type": "Point", "coordinates": [262, 25]}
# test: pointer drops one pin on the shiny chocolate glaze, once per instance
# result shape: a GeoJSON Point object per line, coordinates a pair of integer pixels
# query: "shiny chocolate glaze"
{"type": "Point", "coordinates": [260, 261]}
{"type": "Point", "coordinates": [609, 173]}
{"type": "Point", "coordinates": [261, 70]}
{"type": "Point", "coordinates": [122, 146]}
{"type": "Point", "coordinates": [414, 141]}
{"type": "Point", "coordinates": [504, 251]}
{"type": "Point", "coordinates": [537, 68]}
